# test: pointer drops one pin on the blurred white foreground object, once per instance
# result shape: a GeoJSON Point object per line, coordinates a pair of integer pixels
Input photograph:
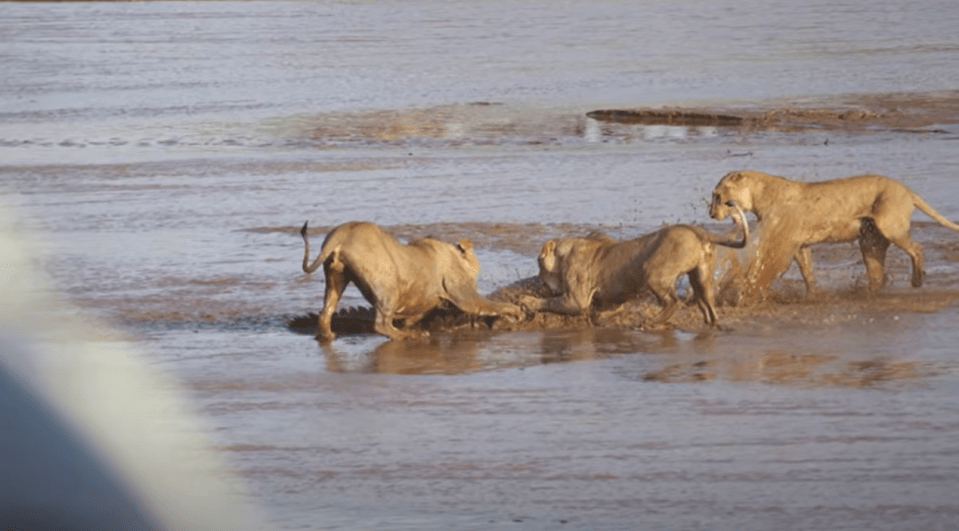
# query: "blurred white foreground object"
{"type": "Point", "coordinates": [90, 437]}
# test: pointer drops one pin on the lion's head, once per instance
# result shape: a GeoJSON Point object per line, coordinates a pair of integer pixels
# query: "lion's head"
{"type": "Point", "coordinates": [468, 257]}
{"type": "Point", "coordinates": [555, 253]}
{"type": "Point", "coordinates": [549, 270]}
{"type": "Point", "coordinates": [732, 188]}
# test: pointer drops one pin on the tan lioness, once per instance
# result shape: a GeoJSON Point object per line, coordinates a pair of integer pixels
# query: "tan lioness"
{"type": "Point", "coordinates": [793, 215]}
{"type": "Point", "coordinates": [602, 271]}
{"type": "Point", "coordinates": [400, 281]}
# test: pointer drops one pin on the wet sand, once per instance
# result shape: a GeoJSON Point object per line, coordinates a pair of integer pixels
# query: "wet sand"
{"type": "Point", "coordinates": [923, 113]}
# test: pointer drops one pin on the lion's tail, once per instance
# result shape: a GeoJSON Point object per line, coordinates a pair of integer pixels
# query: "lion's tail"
{"type": "Point", "coordinates": [931, 212]}
{"type": "Point", "coordinates": [740, 219]}
{"type": "Point", "coordinates": [325, 253]}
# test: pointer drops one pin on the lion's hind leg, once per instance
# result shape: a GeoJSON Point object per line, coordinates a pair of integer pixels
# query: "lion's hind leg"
{"type": "Point", "coordinates": [891, 218]}
{"type": "Point", "coordinates": [665, 291]}
{"type": "Point", "coordinates": [336, 281]}
{"type": "Point", "coordinates": [700, 282]}
{"type": "Point", "coordinates": [383, 323]}
{"type": "Point", "coordinates": [885, 229]}
{"type": "Point", "coordinates": [873, 246]}
{"type": "Point", "coordinates": [914, 250]}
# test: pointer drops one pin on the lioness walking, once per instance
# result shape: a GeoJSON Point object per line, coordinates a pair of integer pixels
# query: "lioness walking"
{"type": "Point", "coordinates": [793, 215]}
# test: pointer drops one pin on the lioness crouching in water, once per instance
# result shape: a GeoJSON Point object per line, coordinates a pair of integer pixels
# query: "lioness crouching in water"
{"type": "Point", "coordinates": [793, 215]}
{"type": "Point", "coordinates": [602, 271]}
{"type": "Point", "coordinates": [400, 281]}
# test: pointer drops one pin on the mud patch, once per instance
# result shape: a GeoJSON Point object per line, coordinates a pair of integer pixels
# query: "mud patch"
{"type": "Point", "coordinates": [854, 113]}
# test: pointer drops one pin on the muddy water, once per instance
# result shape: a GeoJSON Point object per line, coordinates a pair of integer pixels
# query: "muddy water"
{"type": "Point", "coordinates": [166, 154]}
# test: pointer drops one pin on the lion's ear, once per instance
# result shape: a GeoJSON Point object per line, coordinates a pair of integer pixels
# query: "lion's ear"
{"type": "Point", "coordinates": [548, 248]}
{"type": "Point", "coordinates": [465, 245]}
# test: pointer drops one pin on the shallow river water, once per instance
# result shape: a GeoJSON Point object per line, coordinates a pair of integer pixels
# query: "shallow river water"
{"type": "Point", "coordinates": [166, 154]}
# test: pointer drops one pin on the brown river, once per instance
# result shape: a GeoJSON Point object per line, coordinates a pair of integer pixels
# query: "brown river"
{"type": "Point", "coordinates": [165, 154]}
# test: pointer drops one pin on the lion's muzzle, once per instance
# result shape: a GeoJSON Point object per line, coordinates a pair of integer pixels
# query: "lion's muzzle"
{"type": "Point", "coordinates": [716, 208]}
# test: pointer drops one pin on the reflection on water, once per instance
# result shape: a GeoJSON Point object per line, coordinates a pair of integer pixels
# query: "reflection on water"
{"type": "Point", "coordinates": [785, 367]}
{"type": "Point", "coordinates": [465, 352]}
{"type": "Point", "coordinates": [445, 354]}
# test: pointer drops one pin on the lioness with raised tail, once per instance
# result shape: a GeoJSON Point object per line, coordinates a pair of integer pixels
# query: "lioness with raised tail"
{"type": "Point", "coordinates": [401, 281]}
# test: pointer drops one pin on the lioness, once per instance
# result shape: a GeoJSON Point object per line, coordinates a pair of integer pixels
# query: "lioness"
{"type": "Point", "coordinates": [400, 281]}
{"type": "Point", "coordinates": [600, 270]}
{"type": "Point", "coordinates": [794, 215]}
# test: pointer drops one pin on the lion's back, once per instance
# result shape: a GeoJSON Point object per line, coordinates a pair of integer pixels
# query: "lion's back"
{"type": "Point", "coordinates": [368, 250]}
{"type": "Point", "coordinates": [354, 233]}
{"type": "Point", "coordinates": [679, 248]}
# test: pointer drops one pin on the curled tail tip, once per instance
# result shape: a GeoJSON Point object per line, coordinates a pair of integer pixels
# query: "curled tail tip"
{"type": "Point", "coordinates": [303, 230]}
